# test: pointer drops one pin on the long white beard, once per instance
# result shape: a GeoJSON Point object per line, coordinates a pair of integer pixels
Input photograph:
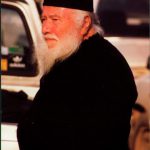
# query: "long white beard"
{"type": "Point", "coordinates": [65, 47]}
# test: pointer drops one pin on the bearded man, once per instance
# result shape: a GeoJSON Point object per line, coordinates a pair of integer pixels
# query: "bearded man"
{"type": "Point", "coordinates": [87, 91]}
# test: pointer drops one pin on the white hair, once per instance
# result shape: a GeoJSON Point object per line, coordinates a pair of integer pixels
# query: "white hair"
{"type": "Point", "coordinates": [79, 16]}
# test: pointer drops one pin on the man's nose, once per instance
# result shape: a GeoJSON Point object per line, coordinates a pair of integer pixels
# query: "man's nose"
{"type": "Point", "coordinates": [46, 27]}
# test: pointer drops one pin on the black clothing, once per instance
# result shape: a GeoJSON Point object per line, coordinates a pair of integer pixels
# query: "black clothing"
{"type": "Point", "coordinates": [84, 102]}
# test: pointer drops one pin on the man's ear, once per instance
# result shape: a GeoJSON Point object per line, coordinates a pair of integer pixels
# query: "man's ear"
{"type": "Point", "coordinates": [86, 25]}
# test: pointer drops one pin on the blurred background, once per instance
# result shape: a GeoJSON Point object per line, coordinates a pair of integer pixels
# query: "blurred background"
{"type": "Point", "coordinates": [125, 24]}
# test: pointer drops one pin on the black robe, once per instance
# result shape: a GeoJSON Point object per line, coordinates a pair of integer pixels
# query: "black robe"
{"type": "Point", "coordinates": [84, 102]}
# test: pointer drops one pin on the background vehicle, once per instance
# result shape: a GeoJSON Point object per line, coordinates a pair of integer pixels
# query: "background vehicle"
{"type": "Point", "coordinates": [126, 25]}
{"type": "Point", "coordinates": [21, 73]}
{"type": "Point", "coordinates": [20, 39]}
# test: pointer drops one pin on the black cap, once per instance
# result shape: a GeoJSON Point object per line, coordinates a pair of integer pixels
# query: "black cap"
{"type": "Point", "coordinates": [86, 5]}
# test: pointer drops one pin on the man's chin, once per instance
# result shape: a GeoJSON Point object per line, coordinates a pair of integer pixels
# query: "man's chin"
{"type": "Point", "coordinates": [51, 44]}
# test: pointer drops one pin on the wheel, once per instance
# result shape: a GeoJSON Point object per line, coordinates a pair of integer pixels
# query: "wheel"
{"type": "Point", "coordinates": [140, 133]}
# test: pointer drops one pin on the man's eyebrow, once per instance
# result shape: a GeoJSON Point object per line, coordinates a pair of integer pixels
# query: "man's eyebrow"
{"type": "Point", "coordinates": [50, 16]}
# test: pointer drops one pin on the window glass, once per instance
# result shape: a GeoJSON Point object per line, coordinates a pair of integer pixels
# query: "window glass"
{"type": "Point", "coordinates": [16, 47]}
{"type": "Point", "coordinates": [124, 17]}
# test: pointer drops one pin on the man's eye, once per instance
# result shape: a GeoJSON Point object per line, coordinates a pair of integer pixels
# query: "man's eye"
{"type": "Point", "coordinates": [55, 19]}
{"type": "Point", "coordinates": [43, 19]}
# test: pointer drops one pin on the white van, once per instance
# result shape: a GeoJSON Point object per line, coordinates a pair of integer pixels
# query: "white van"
{"type": "Point", "coordinates": [20, 36]}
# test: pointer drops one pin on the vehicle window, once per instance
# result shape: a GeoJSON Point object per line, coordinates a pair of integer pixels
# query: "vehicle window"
{"type": "Point", "coordinates": [16, 45]}
{"type": "Point", "coordinates": [124, 17]}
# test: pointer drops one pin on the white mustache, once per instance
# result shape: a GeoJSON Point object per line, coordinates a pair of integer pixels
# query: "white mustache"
{"type": "Point", "coordinates": [51, 37]}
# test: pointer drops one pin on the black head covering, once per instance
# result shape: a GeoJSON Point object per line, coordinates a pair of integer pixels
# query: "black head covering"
{"type": "Point", "coordinates": [86, 5]}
